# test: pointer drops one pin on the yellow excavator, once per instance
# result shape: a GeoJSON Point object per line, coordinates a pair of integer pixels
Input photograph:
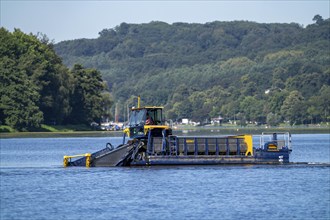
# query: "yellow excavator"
{"type": "Point", "coordinates": [145, 121]}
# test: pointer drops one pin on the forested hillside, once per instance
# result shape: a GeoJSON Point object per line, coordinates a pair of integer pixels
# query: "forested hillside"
{"type": "Point", "coordinates": [250, 72]}
{"type": "Point", "coordinates": [243, 70]}
{"type": "Point", "coordinates": [36, 88]}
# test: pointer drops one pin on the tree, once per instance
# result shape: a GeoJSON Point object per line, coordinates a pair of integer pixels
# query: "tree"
{"type": "Point", "coordinates": [37, 88]}
{"type": "Point", "coordinates": [19, 97]}
{"type": "Point", "coordinates": [319, 105]}
{"type": "Point", "coordinates": [325, 102]}
{"type": "Point", "coordinates": [37, 60]}
{"type": "Point", "coordinates": [318, 19]}
{"type": "Point", "coordinates": [198, 102]}
{"type": "Point", "coordinates": [107, 102]}
{"type": "Point", "coordinates": [182, 109]}
{"type": "Point", "coordinates": [275, 101]}
{"type": "Point", "coordinates": [294, 108]}
{"type": "Point", "coordinates": [273, 119]}
{"type": "Point", "coordinates": [87, 102]}
{"type": "Point", "coordinates": [252, 109]}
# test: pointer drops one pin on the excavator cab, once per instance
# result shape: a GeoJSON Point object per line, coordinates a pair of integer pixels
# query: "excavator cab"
{"type": "Point", "coordinates": [147, 119]}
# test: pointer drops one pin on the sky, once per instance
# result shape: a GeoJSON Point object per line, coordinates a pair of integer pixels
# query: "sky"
{"type": "Point", "coordinates": [73, 19]}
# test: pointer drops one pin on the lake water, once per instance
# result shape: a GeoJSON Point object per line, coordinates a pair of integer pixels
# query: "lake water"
{"type": "Point", "coordinates": [34, 185]}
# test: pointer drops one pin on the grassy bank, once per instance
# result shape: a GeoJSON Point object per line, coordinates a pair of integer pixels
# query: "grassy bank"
{"type": "Point", "coordinates": [56, 131]}
{"type": "Point", "coordinates": [85, 131]}
{"type": "Point", "coordinates": [49, 128]}
{"type": "Point", "coordinates": [62, 134]}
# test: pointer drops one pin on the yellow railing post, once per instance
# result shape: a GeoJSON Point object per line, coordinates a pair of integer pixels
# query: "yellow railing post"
{"type": "Point", "coordinates": [65, 161]}
{"type": "Point", "coordinates": [88, 159]}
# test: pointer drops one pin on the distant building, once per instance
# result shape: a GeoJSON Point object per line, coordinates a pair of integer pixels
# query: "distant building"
{"type": "Point", "coordinates": [185, 121]}
{"type": "Point", "coordinates": [217, 120]}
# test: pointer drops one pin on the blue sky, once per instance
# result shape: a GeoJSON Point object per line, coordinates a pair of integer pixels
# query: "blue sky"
{"type": "Point", "coordinates": [66, 20]}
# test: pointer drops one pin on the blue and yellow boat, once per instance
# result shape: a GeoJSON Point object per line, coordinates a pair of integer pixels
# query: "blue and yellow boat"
{"type": "Point", "coordinates": [150, 142]}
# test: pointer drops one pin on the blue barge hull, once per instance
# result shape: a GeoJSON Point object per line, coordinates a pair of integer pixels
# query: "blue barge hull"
{"type": "Point", "coordinates": [205, 160]}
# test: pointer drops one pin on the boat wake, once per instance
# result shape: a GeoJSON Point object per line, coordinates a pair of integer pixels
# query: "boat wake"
{"type": "Point", "coordinates": [327, 164]}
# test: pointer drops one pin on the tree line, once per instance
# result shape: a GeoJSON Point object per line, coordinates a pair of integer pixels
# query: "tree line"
{"type": "Point", "coordinates": [240, 70]}
{"type": "Point", "coordinates": [247, 71]}
{"type": "Point", "coordinates": [36, 87]}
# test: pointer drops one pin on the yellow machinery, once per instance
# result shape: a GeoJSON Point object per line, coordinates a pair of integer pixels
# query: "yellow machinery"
{"type": "Point", "coordinates": [146, 119]}
{"type": "Point", "coordinates": [152, 143]}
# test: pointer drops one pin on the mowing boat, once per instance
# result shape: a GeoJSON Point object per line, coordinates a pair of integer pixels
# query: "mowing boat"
{"type": "Point", "coordinates": [151, 143]}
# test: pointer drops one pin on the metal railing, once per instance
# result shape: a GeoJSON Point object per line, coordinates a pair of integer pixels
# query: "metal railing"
{"type": "Point", "coordinates": [227, 145]}
{"type": "Point", "coordinates": [276, 140]}
{"type": "Point", "coordinates": [67, 159]}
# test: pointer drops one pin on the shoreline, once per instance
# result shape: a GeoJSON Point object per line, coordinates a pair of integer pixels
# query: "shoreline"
{"type": "Point", "coordinates": [63, 134]}
{"type": "Point", "coordinates": [251, 130]}
{"type": "Point", "coordinates": [182, 130]}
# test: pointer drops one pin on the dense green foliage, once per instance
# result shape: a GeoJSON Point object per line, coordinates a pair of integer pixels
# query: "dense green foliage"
{"type": "Point", "coordinates": [240, 70]}
{"type": "Point", "coordinates": [243, 71]}
{"type": "Point", "coordinates": [37, 88]}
